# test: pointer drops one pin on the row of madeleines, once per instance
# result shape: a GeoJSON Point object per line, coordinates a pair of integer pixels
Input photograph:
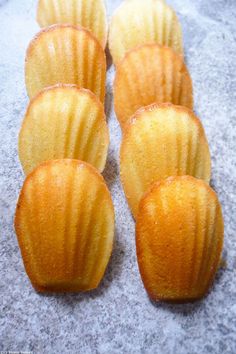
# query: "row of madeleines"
{"type": "Point", "coordinates": [65, 216]}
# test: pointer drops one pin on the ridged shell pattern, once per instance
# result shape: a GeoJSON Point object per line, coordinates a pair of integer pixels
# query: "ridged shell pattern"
{"type": "Point", "coordinates": [147, 75]}
{"type": "Point", "coordinates": [179, 238]}
{"type": "Point", "coordinates": [162, 141]}
{"type": "Point", "coordinates": [65, 54]}
{"type": "Point", "coordinates": [89, 14]}
{"type": "Point", "coordinates": [64, 122]}
{"type": "Point", "coordinates": [65, 226]}
{"type": "Point", "coordinates": [138, 22]}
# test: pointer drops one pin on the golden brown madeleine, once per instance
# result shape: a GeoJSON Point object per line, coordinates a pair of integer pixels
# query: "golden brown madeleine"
{"type": "Point", "coordinates": [69, 123]}
{"type": "Point", "coordinates": [65, 54]}
{"type": "Point", "coordinates": [65, 226]}
{"type": "Point", "coordinates": [138, 22]}
{"type": "Point", "coordinates": [161, 141]}
{"type": "Point", "coordinates": [150, 74]}
{"type": "Point", "coordinates": [90, 14]}
{"type": "Point", "coordinates": [179, 239]}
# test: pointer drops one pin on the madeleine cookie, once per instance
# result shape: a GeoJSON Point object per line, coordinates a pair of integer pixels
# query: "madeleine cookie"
{"type": "Point", "coordinates": [69, 123]}
{"type": "Point", "coordinates": [179, 239]}
{"type": "Point", "coordinates": [89, 14]}
{"type": "Point", "coordinates": [65, 226]}
{"type": "Point", "coordinates": [161, 141]}
{"type": "Point", "coordinates": [150, 74]}
{"type": "Point", "coordinates": [138, 22]}
{"type": "Point", "coordinates": [65, 54]}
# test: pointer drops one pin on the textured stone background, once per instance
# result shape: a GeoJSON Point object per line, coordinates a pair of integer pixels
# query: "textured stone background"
{"type": "Point", "coordinates": [118, 317]}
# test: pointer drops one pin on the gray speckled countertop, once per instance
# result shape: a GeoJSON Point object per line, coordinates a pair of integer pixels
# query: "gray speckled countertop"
{"type": "Point", "coordinates": [118, 317]}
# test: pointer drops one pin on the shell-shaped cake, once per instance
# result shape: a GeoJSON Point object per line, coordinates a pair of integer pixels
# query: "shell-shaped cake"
{"type": "Point", "coordinates": [89, 14]}
{"type": "Point", "coordinates": [138, 22]}
{"type": "Point", "coordinates": [64, 121]}
{"type": "Point", "coordinates": [65, 54]}
{"type": "Point", "coordinates": [150, 74]}
{"type": "Point", "coordinates": [179, 239]}
{"type": "Point", "coordinates": [161, 141]}
{"type": "Point", "coordinates": [65, 226]}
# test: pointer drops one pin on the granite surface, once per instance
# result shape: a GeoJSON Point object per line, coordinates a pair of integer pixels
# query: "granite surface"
{"type": "Point", "coordinates": [118, 317]}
